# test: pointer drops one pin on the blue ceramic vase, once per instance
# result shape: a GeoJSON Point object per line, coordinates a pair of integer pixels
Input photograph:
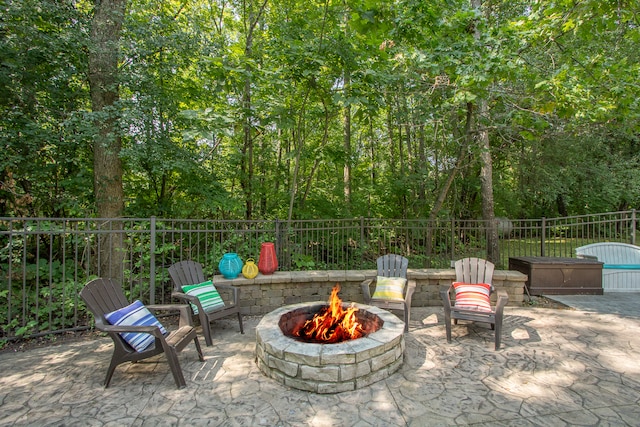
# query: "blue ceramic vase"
{"type": "Point", "coordinates": [230, 265]}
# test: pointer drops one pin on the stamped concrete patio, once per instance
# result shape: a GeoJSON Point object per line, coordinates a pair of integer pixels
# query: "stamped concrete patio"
{"type": "Point", "coordinates": [557, 367]}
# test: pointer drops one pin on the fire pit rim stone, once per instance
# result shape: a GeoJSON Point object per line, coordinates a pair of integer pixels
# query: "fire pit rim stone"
{"type": "Point", "coordinates": [392, 324]}
{"type": "Point", "coordinates": [271, 340]}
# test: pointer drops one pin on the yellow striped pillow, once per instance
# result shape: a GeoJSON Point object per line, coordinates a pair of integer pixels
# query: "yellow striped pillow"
{"type": "Point", "coordinates": [389, 288]}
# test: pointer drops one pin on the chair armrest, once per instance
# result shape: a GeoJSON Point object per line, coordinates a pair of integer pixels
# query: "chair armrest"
{"type": "Point", "coordinates": [187, 299]}
{"type": "Point", "coordinates": [411, 287]}
{"type": "Point", "coordinates": [235, 295]}
{"type": "Point", "coordinates": [183, 309]}
{"type": "Point", "coordinates": [503, 298]}
{"type": "Point", "coordinates": [153, 330]}
{"type": "Point", "coordinates": [184, 297]}
{"type": "Point", "coordinates": [165, 307]}
{"type": "Point", "coordinates": [445, 294]}
{"type": "Point", "coordinates": [366, 290]}
{"type": "Point", "coordinates": [234, 289]}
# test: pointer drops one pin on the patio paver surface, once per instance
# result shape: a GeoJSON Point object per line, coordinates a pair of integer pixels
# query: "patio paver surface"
{"type": "Point", "coordinates": [556, 367]}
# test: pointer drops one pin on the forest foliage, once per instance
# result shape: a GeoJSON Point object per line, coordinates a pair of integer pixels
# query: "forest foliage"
{"type": "Point", "coordinates": [325, 109]}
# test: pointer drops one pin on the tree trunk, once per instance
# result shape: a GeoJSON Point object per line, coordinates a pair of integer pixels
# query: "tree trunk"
{"type": "Point", "coordinates": [346, 177]}
{"type": "Point", "coordinates": [442, 195]}
{"type": "Point", "coordinates": [247, 148]}
{"type": "Point", "coordinates": [247, 113]}
{"type": "Point", "coordinates": [486, 169]}
{"type": "Point", "coordinates": [444, 190]}
{"type": "Point", "coordinates": [486, 185]}
{"type": "Point", "coordinates": [107, 167]}
{"type": "Point", "coordinates": [347, 145]}
{"type": "Point", "coordinates": [422, 167]}
{"type": "Point", "coordinates": [298, 145]}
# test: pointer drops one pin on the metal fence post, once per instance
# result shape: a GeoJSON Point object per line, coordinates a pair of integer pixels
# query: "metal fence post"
{"type": "Point", "coordinates": [543, 232]}
{"type": "Point", "coordinates": [633, 226]}
{"type": "Point", "coordinates": [453, 239]}
{"type": "Point", "coordinates": [278, 242]}
{"type": "Point", "coordinates": [361, 241]}
{"type": "Point", "coordinates": [152, 261]}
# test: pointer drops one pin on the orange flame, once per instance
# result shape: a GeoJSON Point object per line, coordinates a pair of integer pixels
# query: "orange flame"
{"type": "Point", "coordinates": [332, 323]}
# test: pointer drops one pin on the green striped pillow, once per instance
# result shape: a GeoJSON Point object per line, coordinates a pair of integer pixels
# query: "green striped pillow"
{"type": "Point", "coordinates": [207, 294]}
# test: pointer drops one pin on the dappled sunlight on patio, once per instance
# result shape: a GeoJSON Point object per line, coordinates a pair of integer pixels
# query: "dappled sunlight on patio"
{"type": "Point", "coordinates": [620, 362]}
{"type": "Point", "coordinates": [520, 334]}
{"type": "Point", "coordinates": [430, 320]}
{"type": "Point", "coordinates": [554, 365]}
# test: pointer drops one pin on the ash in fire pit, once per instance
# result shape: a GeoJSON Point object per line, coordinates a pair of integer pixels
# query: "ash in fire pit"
{"type": "Point", "coordinates": [329, 367]}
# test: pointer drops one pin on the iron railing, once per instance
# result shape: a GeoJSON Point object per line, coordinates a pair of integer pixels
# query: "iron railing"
{"type": "Point", "coordinates": [44, 262]}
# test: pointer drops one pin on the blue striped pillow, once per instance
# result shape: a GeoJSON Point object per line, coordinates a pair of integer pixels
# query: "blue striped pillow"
{"type": "Point", "coordinates": [207, 294]}
{"type": "Point", "coordinates": [135, 314]}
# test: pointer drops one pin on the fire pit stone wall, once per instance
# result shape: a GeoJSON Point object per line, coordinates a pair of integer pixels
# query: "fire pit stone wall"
{"type": "Point", "coordinates": [329, 368]}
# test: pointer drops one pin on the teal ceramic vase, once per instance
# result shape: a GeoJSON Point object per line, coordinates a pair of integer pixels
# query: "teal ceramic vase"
{"type": "Point", "coordinates": [230, 265]}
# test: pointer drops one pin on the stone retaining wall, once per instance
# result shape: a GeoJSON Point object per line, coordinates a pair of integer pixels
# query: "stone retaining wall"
{"type": "Point", "coordinates": [264, 294]}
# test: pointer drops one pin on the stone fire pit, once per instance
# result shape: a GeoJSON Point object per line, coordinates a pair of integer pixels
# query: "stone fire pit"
{"type": "Point", "coordinates": [329, 368]}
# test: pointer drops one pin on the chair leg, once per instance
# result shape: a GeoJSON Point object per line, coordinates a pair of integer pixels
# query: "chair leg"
{"type": "Point", "coordinates": [174, 364]}
{"type": "Point", "coordinates": [240, 321]}
{"type": "Point", "coordinates": [110, 370]}
{"type": "Point", "coordinates": [206, 330]}
{"type": "Point", "coordinates": [497, 341]}
{"type": "Point", "coordinates": [198, 349]}
{"type": "Point", "coordinates": [498, 332]}
{"type": "Point", "coordinates": [447, 325]}
{"type": "Point", "coordinates": [407, 316]}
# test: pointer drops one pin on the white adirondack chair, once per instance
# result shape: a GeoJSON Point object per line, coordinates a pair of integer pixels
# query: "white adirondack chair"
{"type": "Point", "coordinates": [474, 271]}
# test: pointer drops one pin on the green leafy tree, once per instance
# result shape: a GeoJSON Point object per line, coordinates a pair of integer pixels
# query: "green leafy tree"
{"type": "Point", "coordinates": [292, 109]}
{"type": "Point", "coordinates": [43, 105]}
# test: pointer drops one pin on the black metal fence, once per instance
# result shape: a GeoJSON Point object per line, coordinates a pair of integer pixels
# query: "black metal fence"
{"type": "Point", "coordinates": [44, 262]}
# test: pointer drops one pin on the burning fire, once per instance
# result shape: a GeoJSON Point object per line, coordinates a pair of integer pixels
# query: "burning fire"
{"type": "Point", "coordinates": [331, 324]}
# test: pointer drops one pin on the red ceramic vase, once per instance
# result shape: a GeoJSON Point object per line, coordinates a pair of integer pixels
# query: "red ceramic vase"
{"type": "Point", "coordinates": [268, 262]}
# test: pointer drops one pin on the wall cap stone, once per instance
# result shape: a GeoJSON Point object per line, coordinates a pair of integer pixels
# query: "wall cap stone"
{"type": "Point", "coordinates": [357, 275]}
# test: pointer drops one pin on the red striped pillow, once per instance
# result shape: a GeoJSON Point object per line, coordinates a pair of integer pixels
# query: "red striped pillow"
{"type": "Point", "coordinates": [472, 296]}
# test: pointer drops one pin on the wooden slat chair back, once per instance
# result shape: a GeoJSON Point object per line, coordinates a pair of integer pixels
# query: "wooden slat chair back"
{"type": "Point", "coordinates": [391, 265]}
{"type": "Point", "coordinates": [474, 271]}
{"type": "Point", "coordinates": [103, 296]}
{"type": "Point", "coordinates": [190, 273]}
